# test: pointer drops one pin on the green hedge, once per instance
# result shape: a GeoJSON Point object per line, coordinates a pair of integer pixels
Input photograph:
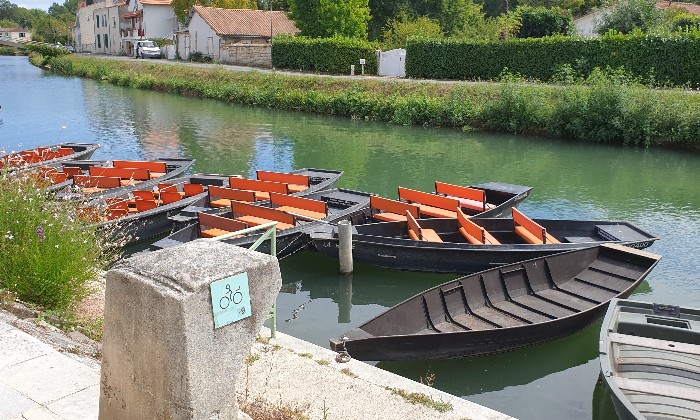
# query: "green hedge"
{"type": "Point", "coordinates": [602, 110]}
{"type": "Point", "coordinates": [8, 50]}
{"type": "Point", "coordinates": [47, 51]}
{"type": "Point", "coordinates": [673, 59]}
{"type": "Point", "coordinates": [324, 55]}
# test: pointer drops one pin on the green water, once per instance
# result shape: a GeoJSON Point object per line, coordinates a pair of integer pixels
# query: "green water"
{"type": "Point", "coordinates": [655, 189]}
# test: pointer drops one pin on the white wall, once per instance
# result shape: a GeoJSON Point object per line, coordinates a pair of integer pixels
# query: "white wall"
{"type": "Point", "coordinates": [111, 31]}
{"type": "Point", "coordinates": [200, 32]}
{"type": "Point", "coordinates": [159, 21]}
{"type": "Point", "coordinates": [392, 63]}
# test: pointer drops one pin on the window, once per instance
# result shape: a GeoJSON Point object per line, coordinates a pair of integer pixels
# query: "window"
{"type": "Point", "coordinates": [106, 43]}
{"type": "Point", "coordinates": [114, 22]}
{"type": "Point", "coordinates": [98, 42]}
{"type": "Point", "coordinates": [98, 21]}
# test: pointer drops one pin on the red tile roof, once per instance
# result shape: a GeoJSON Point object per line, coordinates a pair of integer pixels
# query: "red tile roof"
{"type": "Point", "coordinates": [162, 2]}
{"type": "Point", "coordinates": [691, 8]}
{"type": "Point", "coordinates": [246, 22]}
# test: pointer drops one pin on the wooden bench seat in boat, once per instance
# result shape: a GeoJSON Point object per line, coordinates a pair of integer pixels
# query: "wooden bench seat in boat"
{"type": "Point", "coordinates": [57, 177]}
{"type": "Point", "coordinates": [128, 176]}
{"type": "Point", "coordinates": [417, 233]}
{"type": "Point", "coordinates": [314, 209]}
{"type": "Point", "coordinates": [474, 233]}
{"type": "Point", "coordinates": [431, 205]}
{"type": "Point", "coordinates": [388, 210]}
{"type": "Point", "coordinates": [257, 215]}
{"type": "Point", "coordinates": [262, 188]}
{"type": "Point", "coordinates": [65, 151]}
{"type": "Point", "coordinates": [222, 196]}
{"type": "Point", "coordinates": [72, 171]}
{"type": "Point", "coordinates": [530, 231]}
{"type": "Point", "coordinates": [211, 225]}
{"type": "Point", "coordinates": [157, 169]}
{"type": "Point", "coordinates": [93, 184]}
{"type": "Point", "coordinates": [188, 190]}
{"type": "Point", "coordinates": [145, 205]}
{"type": "Point", "coordinates": [296, 182]}
{"type": "Point", "coordinates": [469, 198]}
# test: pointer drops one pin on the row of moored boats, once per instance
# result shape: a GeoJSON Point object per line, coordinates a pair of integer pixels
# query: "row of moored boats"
{"type": "Point", "coordinates": [534, 280]}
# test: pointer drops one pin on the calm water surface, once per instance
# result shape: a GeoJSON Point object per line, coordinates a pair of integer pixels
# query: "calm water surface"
{"type": "Point", "coordinates": [656, 189]}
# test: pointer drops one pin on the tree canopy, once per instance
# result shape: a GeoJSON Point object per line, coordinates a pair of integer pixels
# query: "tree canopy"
{"type": "Point", "coordinates": [327, 18]}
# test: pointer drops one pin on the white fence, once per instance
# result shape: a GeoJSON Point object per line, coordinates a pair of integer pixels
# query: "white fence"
{"type": "Point", "coordinates": [392, 63]}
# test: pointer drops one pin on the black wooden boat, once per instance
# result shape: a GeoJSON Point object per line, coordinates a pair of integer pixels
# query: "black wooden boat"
{"type": "Point", "coordinates": [341, 205]}
{"type": "Point", "coordinates": [389, 245]}
{"type": "Point", "coordinates": [48, 155]}
{"type": "Point", "coordinates": [650, 360]}
{"type": "Point", "coordinates": [502, 309]}
{"type": "Point", "coordinates": [318, 180]}
{"type": "Point", "coordinates": [133, 223]}
{"type": "Point", "coordinates": [105, 179]}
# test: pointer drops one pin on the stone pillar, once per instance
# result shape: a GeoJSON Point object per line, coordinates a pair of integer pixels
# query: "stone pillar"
{"type": "Point", "coordinates": [162, 357]}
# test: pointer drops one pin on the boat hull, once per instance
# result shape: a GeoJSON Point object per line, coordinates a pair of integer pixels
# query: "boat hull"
{"type": "Point", "coordinates": [650, 359]}
{"type": "Point", "coordinates": [386, 245]}
{"type": "Point", "coordinates": [502, 309]}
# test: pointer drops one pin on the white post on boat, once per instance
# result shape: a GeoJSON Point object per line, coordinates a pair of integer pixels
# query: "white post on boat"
{"type": "Point", "coordinates": [345, 246]}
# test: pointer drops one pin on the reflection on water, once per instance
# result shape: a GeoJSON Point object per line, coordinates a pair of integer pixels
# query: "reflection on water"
{"type": "Point", "coordinates": [655, 189]}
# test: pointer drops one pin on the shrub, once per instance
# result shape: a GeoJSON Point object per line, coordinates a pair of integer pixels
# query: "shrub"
{"type": "Point", "coordinates": [672, 59]}
{"type": "Point", "coordinates": [49, 253]}
{"type": "Point", "coordinates": [47, 51]}
{"type": "Point", "coordinates": [323, 55]}
{"type": "Point", "coordinates": [7, 50]}
{"type": "Point", "coordinates": [537, 22]}
{"type": "Point", "coordinates": [685, 22]}
{"type": "Point", "coordinates": [198, 57]}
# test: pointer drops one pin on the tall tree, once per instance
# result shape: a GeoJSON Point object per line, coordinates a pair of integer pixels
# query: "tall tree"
{"type": "Point", "coordinates": [326, 18]}
{"type": "Point", "coordinates": [8, 10]}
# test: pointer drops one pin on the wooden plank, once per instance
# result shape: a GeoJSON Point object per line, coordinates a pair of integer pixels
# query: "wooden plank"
{"type": "Point", "coordinates": [655, 388]}
{"type": "Point", "coordinates": [654, 343]}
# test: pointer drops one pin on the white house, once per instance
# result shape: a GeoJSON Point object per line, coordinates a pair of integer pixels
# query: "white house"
{"type": "Point", "coordinates": [238, 36]}
{"type": "Point", "coordinates": [15, 34]}
{"type": "Point", "coordinates": [149, 19]}
{"type": "Point", "coordinates": [107, 22]}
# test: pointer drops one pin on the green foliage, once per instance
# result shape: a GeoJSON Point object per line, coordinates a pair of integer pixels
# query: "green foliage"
{"type": "Point", "coordinates": [537, 22]}
{"type": "Point", "coordinates": [53, 30]}
{"type": "Point", "coordinates": [629, 15]}
{"type": "Point", "coordinates": [608, 106]}
{"type": "Point", "coordinates": [323, 55]}
{"type": "Point", "coordinates": [672, 59]}
{"type": "Point", "coordinates": [7, 50]}
{"type": "Point", "coordinates": [403, 27]}
{"type": "Point", "coordinates": [46, 51]}
{"type": "Point", "coordinates": [685, 22]}
{"type": "Point", "coordinates": [198, 57]}
{"type": "Point", "coordinates": [161, 42]}
{"type": "Point", "coordinates": [328, 18]}
{"type": "Point", "coordinates": [8, 23]}
{"type": "Point", "coordinates": [49, 253]}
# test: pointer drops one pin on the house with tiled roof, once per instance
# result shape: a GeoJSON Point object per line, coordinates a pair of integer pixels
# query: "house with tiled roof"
{"type": "Point", "coordinates": [98, 27]}
{"type": "Point", "coordinates": [16, 34]}
{"type": "Point", "coordinates": [236, 36]}
{"type": "Point", "coordinates": [148, 19]}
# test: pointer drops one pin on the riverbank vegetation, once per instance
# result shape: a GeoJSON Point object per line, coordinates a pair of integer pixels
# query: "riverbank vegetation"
{"type": "Point", "coordinates": [605, 107]}
{"type": "Point", "coordinates": [50, 254]}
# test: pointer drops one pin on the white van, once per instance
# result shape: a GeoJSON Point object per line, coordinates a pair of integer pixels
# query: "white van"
{"type": "Point", "coordinates": [146, 49]}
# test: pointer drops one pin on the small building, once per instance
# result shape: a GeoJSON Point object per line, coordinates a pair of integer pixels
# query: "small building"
{"type": "Point", "coordinates": [148, 19]}
{"type": "Point", "coordinates": [15, 34]}
{"type": "Point", "coordinates": [108, 21]}
{"type": "Point", "coordinates": [234, 36]}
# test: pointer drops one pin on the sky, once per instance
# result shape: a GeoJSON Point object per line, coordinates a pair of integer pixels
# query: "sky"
{"type": "Point", "coordinates": [36, 4]}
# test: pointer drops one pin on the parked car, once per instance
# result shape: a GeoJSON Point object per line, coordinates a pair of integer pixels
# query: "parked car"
{"type": "Point", "coordinates": [146, 49]}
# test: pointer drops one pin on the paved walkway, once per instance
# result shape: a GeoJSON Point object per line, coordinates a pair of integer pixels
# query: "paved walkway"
{"type": "Point", "coordinates": [40, 383]}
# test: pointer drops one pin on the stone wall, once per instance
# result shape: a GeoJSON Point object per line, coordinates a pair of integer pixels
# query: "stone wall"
{"type": "Point", "coordinates": [255, 55]}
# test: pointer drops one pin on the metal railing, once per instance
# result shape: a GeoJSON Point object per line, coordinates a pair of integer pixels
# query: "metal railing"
{"type": "Point", "coordinates": [270, 232]}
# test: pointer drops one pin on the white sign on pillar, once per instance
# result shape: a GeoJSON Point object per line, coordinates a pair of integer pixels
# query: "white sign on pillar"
{"type": "Point", "coordinates": [230, 299]}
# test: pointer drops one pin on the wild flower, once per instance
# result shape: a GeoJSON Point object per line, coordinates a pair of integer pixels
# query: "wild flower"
{"type": "Point", "coordinates": [40, 233]}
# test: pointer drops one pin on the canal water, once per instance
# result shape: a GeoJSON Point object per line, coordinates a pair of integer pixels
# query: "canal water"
{"type": "Point", "coordinates": [655, 189]}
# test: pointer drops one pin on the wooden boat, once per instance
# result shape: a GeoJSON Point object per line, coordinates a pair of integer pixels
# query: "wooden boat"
{"type": "Point", "coordinates": [502, 309]}
{"type": "Point", "coordinates": [46, 155]}
{"type": "Point", "coordinates": [295, 216]}
{"type": "Point", "coordinates": [300, 183]}
{"type": "Point", "coordinates": [650, 360]}
{"type": "Point", "coordinates": [444, 245]}
{"type": "Point", "coordinates": [92, 179]}
{"type": "Point", "coordinates": [139, 215]}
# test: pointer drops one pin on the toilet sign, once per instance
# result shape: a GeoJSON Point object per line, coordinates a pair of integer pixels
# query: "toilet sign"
{"type": "Point", "coordinates": [230, 299]}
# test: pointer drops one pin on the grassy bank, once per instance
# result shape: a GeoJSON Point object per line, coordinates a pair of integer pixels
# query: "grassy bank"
{"type": "Point", "coordinates": [605, 108]}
